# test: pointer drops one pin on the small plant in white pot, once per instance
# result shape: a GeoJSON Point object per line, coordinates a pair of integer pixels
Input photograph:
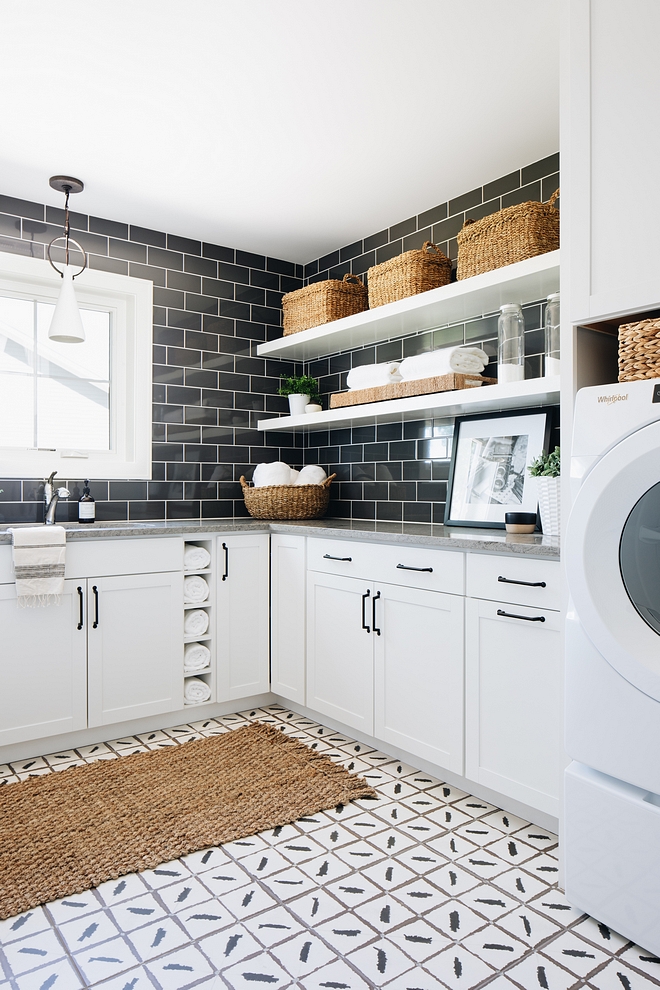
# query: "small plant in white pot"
{"type": "Point", "coordinates": [301, 390]}
{"type": "Point", "coordinates": [546, 470]}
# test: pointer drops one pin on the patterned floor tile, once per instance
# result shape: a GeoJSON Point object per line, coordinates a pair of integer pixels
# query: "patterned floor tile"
{"type": "Point", "coordinates": [353, 890]}
{"type": "Point", "coordinates": [315, 907]}
{"type": "Point", "coordinates": [606, 938]}
{"type": "Point", "coordinates": [261, 970]}
{"type": "Point", "coordinates": [64, 756]}
{"type": "Point", "coordinates": [381, 961]}
{"type": "Point", "coordinates": [184, 894]}
{"type": "Point", "coordinates": [26, 766]}
{"type": "Point", "coordinates": [448, 793]}
{"type": "Point", "coordinates": [416, 979]}
{"type": "Point", "coordinates": [393, 840]}
{"type": "Point", "coordinates": [484, 863]}
{"type": "Point", "coordinates": [332, 836]}
{"type": "Point", "coordinates": [203, 919]}
{"type": "Point", "coordinates": [367, 825]}
{"type": "Point", "coordinates": [554, 904]}
{"type": "Point", "coordinates": [537, 837]}
{"type": "Point", "coordinates": [521, 885]}
{"type": "Point", "coordinates": [420, 895]}
{"type": "Point", "coordinates": [528, 926]}
{"type": "Point", "coordinates": [242, 848]}
{"type": "Point", "coordinates": [479, 832]}
{"type": "Point", "coordinates": [107, 959]}
{"type": "Point", "coordinates": [245, 902]}
{"type": "Point", "coordinates": [326, 869]}
{"type": "Point", "coordinates": [303, 954]}
{"type": "Point", "coordinates": [230, 946]}
{"type": "Point", "coordinates": [88, 930]}
{"type": "Point", "coordinates": [338, 974]}
{"type": "Point", "coordinates": [419, 939]}
{"type": "Point", "coordinates": [206, 859]}
{"type": "Point", "coordinates": [225, 878]}
{"type": "Point", "coordinates": [11, 779]}
{"type": "Point", "coordinates": [575, 954]}
{"type": "Point", "coordinates": [535, 972]}
{"type": "Point", "coordinates": [23, 925]}
{"type": "Point", "coordinates": [165, 874]}
{"type": "Point", "coordinates": [274, 926]}
{"type": "Point", "coordinates": [421, 860]}
{"type": "Point", "coordinates": [506, 822]}
{"type": "Point", "coordinates": [453, 880]}
{"type": "Point", "coordinates": [456, 967]}
{"type": "Point", "coordinates": [33, 951]}
{"type": "Point", "coordinates": [452, 846]}
{"type": "Point", "coordinates": [137, 912]}
{"type": "Point", "coordinates": [384, 913]}
{"type": "Point", "coordinates": [153, 940]}
{"type": "Point", "coordinates": [290, 883]}
{"type": "Point", "coordinates": [300, 849]}
{"type": "Point", "coordinates": [422, 829]}
{"type": "Point", "coordinates": [178, 970]}
{"type": "Point", "coordinates": [512, 850]}
{"type": "Point", "coordinates": [455, 920]}
{"type": "Point", "coordinates": [123, 889]}
{"type": "Point", "coordinates": [422, 803]}
{"type": "Point", "coordinates": [388, 873]}
{"type": "Point", "coordinates": [41, 772]}
{"type": "Point", "coordinates": [617, 976]}
{"type": "Point", "coordinates": [347, 932]}
{"type": "Point", "coordinates": [449, 817]}
{"type": "Point", "coordinates": [133, 979]}
{"type": "Point", "coordinates": [545, 867]}
{"type": "Point", "coordinates": [485, 900]}
{"type": "Point", "coordinates": [67, 766]}
{"type": "Point", "coordinates": [475, 807]}
{"type": "Point", "coordinates": [359, 854]}
{"type": "Point", "coordinates": [67, 908]}
{"type": "Point", "coordinates": [495, 946]}
{"type": "Point", "coordinates": [60, 976]}
{"type": "Point", "coordinates": [648, 962]}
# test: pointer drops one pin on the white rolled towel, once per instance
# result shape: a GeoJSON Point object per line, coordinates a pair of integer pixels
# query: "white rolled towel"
{"type": "Point", "coordinates": [275, 473]}
{"type": "Point", "coordinates": [196, 690]}
{"type": "Point", "coordinates": [370, 375]}
{"type": "Point", "coordinates": [196, 622]}
{"type": "Point", "coordinates": [463, 360]}
{"type": "Point", "coordinates": [195, 558]}
{"type": "Point", "coordinates": [294, 476]}
{"type": "Point", "coordinates": [196, 656]}
{"type": "Point", "coordinates": [311, 474]}
{"type": "Point", "coordinates": [195, 589]}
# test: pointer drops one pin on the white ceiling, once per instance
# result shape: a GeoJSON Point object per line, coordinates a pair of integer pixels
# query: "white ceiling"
{"type": "Point", "coordinates": [285, 127]}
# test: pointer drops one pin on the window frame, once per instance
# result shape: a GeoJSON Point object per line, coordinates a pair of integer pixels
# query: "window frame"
{"type": "Point", "coordinates": [130, 301]}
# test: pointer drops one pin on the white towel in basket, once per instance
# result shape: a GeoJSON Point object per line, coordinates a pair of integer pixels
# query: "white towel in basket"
{"type": "Point", "coordinates": [196, 656]}
{"type": "Point", "coordinates": [196, 691]}
{"type": "Point", "coordinates": [39, 556]}
{"type": "Point", "coordinates": [196, 622]}
{"type": "Point", "coordinates": [195, 589]}
{"type": "Point", "coordinates": [195, 558]}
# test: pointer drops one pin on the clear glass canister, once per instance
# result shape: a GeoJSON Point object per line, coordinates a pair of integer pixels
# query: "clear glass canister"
{"type": "Point", "coordinates": [510, 344]}
{"type": "Point", "coordinates": [552, 326]}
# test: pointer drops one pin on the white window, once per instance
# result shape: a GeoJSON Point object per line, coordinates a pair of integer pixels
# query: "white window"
{"type": "Point", "coordinates": [83, 410]}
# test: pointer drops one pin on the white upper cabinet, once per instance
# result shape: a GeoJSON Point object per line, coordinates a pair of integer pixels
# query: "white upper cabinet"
{"type": "Point", "coordinates": [610, 150]}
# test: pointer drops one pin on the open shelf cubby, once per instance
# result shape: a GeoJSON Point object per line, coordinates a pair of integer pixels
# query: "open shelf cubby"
{"type": "Point", "coordinates": [207, 639]}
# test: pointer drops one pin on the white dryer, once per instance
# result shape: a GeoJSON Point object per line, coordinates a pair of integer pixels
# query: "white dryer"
{"type": "Point", "coordinates": [612, 556]}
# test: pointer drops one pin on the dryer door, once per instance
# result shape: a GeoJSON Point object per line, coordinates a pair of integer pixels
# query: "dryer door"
{"type": "Point", "coordinates": [613, 558]}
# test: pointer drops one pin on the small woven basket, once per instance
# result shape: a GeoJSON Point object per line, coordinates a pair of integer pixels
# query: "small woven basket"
{"type": "Point", "coordinates": [287, 501]}
{"type": "Point", "coordinates": [639, 350]}
{"type": "Point", "coordinates": [510, 235]}
{"type": "Point", "coordinates": [408, 274]}
{"type": "Point", "coordinates": [323, 302]}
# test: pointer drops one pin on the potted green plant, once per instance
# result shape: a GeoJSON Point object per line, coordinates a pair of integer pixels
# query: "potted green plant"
{"type": "Point", "coordinates": [546, 470]}
{"type": "Point", "coordinates": [301, 390]}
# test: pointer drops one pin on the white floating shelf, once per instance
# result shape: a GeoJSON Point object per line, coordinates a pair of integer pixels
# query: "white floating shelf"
{"type": "Point", "coordinates": [468, 299]}
{"type": "Point", "coordinates": [462, 402]}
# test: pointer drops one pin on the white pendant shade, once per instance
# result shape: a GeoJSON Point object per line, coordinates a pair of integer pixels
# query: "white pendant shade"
{"type": "Point", "coordinates": [66, 325]}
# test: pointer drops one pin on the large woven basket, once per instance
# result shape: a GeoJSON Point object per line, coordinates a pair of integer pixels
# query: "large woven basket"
{"type": "Point", "coordinates": [322, 302]}
{"type": "Point", "coordinates": [510, 235]}
{"type": "Point", "coordinates": [408, 274]}
{"type": "Point", "coordinates": [639, 350]}
{"type": "Point", "coordinates": [287, 501]}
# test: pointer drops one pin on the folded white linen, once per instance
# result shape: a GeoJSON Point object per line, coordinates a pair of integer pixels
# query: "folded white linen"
{"type": "Point", "coordinates": [195, 558]}
{"type": "Point", "coordinates": [371, 375]}
{"type": "Point", "coordinates": [294, 476]}
{"type": "Point", "coordinates": [196, 690]}
{"type": "Point", "coordinates": [196, 622]}
{"type": "Point", "coordinates": [275, 473]}
{"type": "Point", "coordinates": [39, 558]}
{"type": "Point", "coordinates": [311, 474]}
{"type": "Point", "coordinates": [463, 360]}
{"type": "Point", "coordinates": [195, 589]}
{"type": "Point", "coordinates": [196, 656]}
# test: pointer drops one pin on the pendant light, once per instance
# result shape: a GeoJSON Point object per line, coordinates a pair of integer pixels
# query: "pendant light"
{"type": "Point", "coordinates": [66, 325]}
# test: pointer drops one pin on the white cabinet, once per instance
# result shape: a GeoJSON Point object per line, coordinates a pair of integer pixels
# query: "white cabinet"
{"type": "Point", "coordinates": [514, 701]}
{"type": "Point", "coordinates": [43, 675]}
{"type": "Point", "coordinates": [287, 616]}
{"type": "Point", "coordinates": [419, 673]}
{"type": "Point", "coordinates": [134, 632]}
{"type": "Point", "coordinates": [242, 663]}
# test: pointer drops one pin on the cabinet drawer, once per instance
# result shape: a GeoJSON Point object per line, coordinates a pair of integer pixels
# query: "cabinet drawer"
{"type": "Point", "coordinates": [410, 567]}
{"type": "Point", "coordinates": [522, 581]}
{"type": "Point", "coordinates": [348, 557]}
{"type": "Point", "coordinates": [99, 558]}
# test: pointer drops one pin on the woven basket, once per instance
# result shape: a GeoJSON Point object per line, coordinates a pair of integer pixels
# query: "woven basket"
{"type": "Point", "coordinates": [510, 235]}
{"type": "Point", "coordinates": [407, 274]}
{"type": "Point", "coordinates": [287, 501]}
{"type": "Point", "coordinates": [323, 302]}
{"type": "Point", "coordinates": [639, 350]}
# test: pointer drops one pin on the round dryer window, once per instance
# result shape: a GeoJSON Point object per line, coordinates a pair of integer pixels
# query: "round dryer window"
{"type": "Point", "coordinates": [639, 557]}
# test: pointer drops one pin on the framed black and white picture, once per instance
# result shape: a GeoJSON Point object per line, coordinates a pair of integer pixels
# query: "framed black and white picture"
{"type": "Point", "coordinates": [488, 474]}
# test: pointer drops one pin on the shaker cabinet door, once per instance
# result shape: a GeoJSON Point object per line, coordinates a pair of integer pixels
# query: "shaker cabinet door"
{"type": "Point", "coordinates": [287, 617]}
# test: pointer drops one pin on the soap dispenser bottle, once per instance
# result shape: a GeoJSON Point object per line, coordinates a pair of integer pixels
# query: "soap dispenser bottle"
{"type": "Point", "coordinates": [86, 506]}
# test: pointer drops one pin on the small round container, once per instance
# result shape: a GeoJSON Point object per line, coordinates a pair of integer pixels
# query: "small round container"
{"type": "Point", "coordinates": [520, 522]}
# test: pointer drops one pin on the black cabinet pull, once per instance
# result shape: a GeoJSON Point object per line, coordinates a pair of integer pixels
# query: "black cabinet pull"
{"type": "Point", "coordinates": [404, 567]}
{"type": "Point", "coordinates": [96, 606]}
{"type": "Point", "coordinates": [80, 602]}
{"type": "Point", "coordinates": [527, 618]}
{"type": "Point", "coordinates": [327, 556]}
{"type": "Point", "coordinates": [527, 584]}
{"type": "Point", "coordinates": [364, 599]}
{"type": "Point", "coordinates": [226, 570]}
{"type": "Point", "coordinates": [373, 613]}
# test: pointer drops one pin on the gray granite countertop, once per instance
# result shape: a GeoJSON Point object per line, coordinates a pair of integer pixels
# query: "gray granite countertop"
{"type": "Point", "coordinates": [413, 534]}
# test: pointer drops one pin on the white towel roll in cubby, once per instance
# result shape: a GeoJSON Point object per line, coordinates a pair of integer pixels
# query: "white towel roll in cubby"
{"type": "Point", "coordinates": [195, 589]}
{"type": "Point", "coordinates": [195, 657]}
{"type": "Point", "coordinates": [195, 558]}
{"type": "Point", "coordinates": [196, 622]}
{"type": "Point", "coordinates": [196, 691]}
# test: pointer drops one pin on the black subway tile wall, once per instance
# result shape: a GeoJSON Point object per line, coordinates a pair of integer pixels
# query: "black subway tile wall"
{"type": "Point", "coordinates": [213, 305]}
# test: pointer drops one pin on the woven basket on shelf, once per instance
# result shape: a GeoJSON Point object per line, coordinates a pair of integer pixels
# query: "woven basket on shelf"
{"type": "Point", "coordinates": [287, 501]}
{"type": "Point", "coordinates": [639, 350]}
{"type": "Point", "coordinates": [323, 302]}
{"type": "Point", "coordinates": [510, 235]}
{"type": "Point", "coordinates": [408, 274]}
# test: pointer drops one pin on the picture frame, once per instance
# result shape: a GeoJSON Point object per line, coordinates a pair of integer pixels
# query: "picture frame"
{"type": "Point", "coordinates": [488, 475]}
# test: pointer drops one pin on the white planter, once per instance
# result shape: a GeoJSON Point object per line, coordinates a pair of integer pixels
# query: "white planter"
{"type": "Point", "coordinates": [297, 404]}
{"type": "Point", "coordinates": [549, 505]}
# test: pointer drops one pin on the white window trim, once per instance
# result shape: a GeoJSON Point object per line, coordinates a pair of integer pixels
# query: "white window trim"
{"type": "Point", "coordinates": [131, 303]}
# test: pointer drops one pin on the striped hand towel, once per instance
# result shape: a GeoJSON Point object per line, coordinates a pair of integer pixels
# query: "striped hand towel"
{"type": "Point", "coordinates": [38, 554]}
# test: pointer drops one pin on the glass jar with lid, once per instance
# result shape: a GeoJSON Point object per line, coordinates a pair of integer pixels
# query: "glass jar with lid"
{"type": "Point", "coordinates": [552, 328]}
{"type": "Point", "coordinates": [510, 344]}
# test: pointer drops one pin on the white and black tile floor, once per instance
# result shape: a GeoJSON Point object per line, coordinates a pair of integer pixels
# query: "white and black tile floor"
{"type": "Point", "coordinates": [425, 887]}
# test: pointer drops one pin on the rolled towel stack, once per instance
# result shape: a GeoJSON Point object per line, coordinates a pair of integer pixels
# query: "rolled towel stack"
{"type": "Point", "coordinates": [196, 622]}
{"type": "Point", "coordinates": [195, 657]}
{"type": "Point", "coordinates": [195, 558]}
{"type": "Point", "coordinates": [195, 589]}
{"type": "Point", "coordinates": [371, 375]}
{"type": "Point", "coordinates": [311, 474]}
{"type": "Point", "coordinates": [196, 691]}
{"type": "Point", "coordinates": [432, 364]}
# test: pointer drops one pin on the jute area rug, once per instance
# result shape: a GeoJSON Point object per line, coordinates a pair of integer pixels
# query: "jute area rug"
{"type": "Point", "coordinates": [63, 833]}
